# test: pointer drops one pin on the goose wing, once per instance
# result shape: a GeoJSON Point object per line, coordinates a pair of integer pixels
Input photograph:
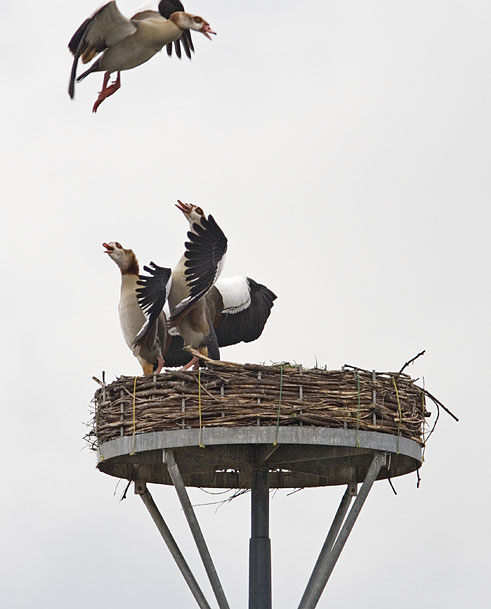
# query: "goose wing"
{"type": "Point", "coordinates": [152, 296]}
{"type": "Point", "coordinates": [204, 257]}
{"type": "Point", "coordinates": [145, 14]}
{"type": "Point", "coordinates": [245, 309]}
{"type": "Point", "coordinates": [104, 28]}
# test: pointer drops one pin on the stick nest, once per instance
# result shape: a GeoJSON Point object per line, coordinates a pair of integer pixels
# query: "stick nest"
{"type": "Point", "coordinates": [235, 395]}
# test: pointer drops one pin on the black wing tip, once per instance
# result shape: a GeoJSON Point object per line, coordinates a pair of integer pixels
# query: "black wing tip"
{"type": "Point", "coordinates": [155, 269]}
{"type": "Point", "coordinates": [260, 288]}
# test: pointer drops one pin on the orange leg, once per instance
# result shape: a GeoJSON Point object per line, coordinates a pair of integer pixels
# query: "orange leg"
{"type": "Point", "coordinates": [160, 365]}
{"type": "Point", "coordinates": [194, 363]}
{"type": "Point", "coordinates": [107, 91]}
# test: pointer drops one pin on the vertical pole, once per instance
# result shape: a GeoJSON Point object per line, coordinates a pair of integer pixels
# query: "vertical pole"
{"type": "Point", "coordinates": [260, 543]}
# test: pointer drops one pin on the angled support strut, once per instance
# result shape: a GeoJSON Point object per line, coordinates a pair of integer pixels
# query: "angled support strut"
{"type": "Point", "coordinates": [141, 489]}
{"type": "Point", "coordinates": [178, 482]}
{"type": "Point", "coordinates": [335, 542]}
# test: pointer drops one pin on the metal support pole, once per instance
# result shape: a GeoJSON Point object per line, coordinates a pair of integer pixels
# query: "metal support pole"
{"type": "Point", "coordinates": [330, 539]}
{"type": "Point", "coordinates": [328, 557]}
{"type": "Point", "coordinates": [178, 482]}
{"type": "Point", "coordinates": [141, 489]}
{"type": "Point", "coordinates": [260, 544]}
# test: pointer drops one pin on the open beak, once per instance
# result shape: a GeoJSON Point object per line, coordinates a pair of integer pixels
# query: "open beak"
{"type": "Point", "coordinates": [186, 208]}
{"type": "Point", "coordinates": [109, 248]}
{"type": "Point", "coordinates": [207, 31]}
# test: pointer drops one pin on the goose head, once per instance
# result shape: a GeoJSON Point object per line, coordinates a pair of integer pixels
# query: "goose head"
{"type": "Point", "coordinates": [124, 258]}
{"type": "Point", "coordinates": [193, 213]}
{"type": "Point", "coordinates": [186, 21]}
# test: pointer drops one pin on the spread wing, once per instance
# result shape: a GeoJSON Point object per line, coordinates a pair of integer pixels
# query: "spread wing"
{"type": "Point", "coordinates": [204, 257]}
{"type": "Point", "coordinates": [151, 298]}
{"type": "Point", "coordinates": [104, 28]}
{"type": "Point", "coordinates": [246, 308]}
{"type": "Point", "coordinates": [166, 8]}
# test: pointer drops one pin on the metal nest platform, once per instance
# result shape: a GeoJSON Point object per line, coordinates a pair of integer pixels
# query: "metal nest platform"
{"type": "Point", "coordinates": [295, 457]}
{"type": "Point", "coordinates": [259, 427]}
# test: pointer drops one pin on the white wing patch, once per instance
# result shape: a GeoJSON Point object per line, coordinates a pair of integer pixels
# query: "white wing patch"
{"type": "Point", "coordinates": [235, 294]}
{"type": "Point", "coordinates": [171, 331]}
{"type": "Point", "coordinates": [221, 264]}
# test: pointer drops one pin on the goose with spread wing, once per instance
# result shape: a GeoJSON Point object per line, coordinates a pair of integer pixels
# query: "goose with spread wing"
{"type": "Point", "coordinates": [127, 43]}
{"type": "Point", "coordinates": [236, 308]}
{"type": "Point", "coordinates": [192, 278]}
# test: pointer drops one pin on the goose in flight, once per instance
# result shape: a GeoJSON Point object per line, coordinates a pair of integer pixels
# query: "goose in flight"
{"type": "Point", "coordinates": [127, 43]}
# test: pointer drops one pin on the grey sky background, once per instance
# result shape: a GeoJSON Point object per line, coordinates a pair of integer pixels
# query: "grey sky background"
{"type": "Point", "coordinates": [344, 149]}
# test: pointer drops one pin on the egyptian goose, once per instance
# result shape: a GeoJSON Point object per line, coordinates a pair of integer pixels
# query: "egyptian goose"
{"type": "Point", "coordinates": [127, 43]}
{"type": "Point", "coordinates": [237, 308]}
{"type": "Point", "coordinates": [149, 352]}
{"type": "Point", "coordinates": [192, 278]}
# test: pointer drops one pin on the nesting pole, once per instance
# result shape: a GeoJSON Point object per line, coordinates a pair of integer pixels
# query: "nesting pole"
{"type": "Point", "coordinates": [328, 428]}
{"type": "Point", "coordinates": [260, 543]}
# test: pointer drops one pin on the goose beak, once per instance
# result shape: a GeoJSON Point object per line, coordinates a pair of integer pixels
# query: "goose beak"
{"type": "Point", "coordinates": [109, 248]}
{"type": "Point", "coordinates": [186, 208]}
{"type": "Point", "coordinates": [207, 31]}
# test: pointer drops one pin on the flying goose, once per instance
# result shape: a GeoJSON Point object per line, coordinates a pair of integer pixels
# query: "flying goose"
{"type": "Point", "coordinates": [150, 351]}
{"type": "Point", "coordinates": [127, 43]}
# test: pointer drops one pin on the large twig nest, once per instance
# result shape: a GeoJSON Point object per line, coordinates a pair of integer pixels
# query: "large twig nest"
{"type": "Point", "coordinates": [232, 395]}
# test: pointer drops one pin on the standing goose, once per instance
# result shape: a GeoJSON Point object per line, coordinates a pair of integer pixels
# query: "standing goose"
{"type": "Point", "coordinates": [192, 278]}
{"type": "Point", "coordinates": [126, 43]}
{"type": "Point", "coordinates": [237, 308]}
{"type": "Point", "coordinates": [150, 352]}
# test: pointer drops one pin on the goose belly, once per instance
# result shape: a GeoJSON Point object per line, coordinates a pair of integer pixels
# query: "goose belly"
{"type": "Point", "coordinates": [138, 48]}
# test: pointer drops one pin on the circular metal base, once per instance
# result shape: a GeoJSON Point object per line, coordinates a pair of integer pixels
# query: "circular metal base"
{"type": "Point", "coordinates": [295, 456]}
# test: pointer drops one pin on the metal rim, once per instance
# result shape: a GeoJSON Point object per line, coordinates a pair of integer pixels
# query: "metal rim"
{"type": "Point", "coordinates": [339, 455]}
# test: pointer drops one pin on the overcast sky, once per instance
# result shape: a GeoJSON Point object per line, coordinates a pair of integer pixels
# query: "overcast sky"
{"type": "Point", "coordinates": [344, 148]}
